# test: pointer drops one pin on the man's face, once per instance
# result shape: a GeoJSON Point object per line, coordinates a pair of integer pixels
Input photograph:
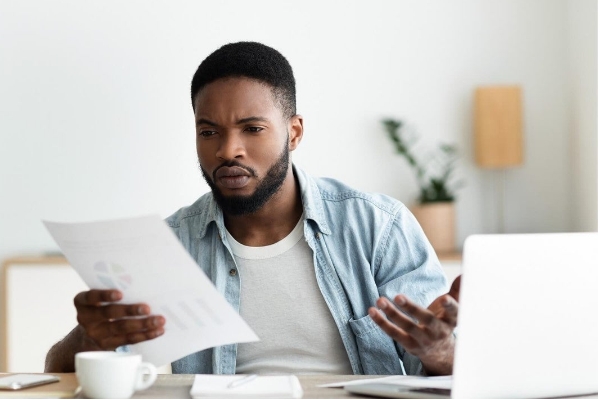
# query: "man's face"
{"type": "Point", "coordinates": [243, 143]}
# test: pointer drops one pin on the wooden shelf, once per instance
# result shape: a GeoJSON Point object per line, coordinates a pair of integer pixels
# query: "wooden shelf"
{"type": "Point", "coordinates": [35, 259]}
{"type": "Point", "coordinates": [37, 304]}
{"type": "Point", "coordinates": [450, 256]}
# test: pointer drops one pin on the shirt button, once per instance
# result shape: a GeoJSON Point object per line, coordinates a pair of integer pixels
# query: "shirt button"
{"type": "Point", "coordinates": [232, 272]}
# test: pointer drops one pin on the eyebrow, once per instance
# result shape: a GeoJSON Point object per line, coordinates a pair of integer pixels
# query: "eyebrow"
{"type": "Point", "coordinates": [252, 119]}
{"type": "Point", "coordinates": [204, 121]}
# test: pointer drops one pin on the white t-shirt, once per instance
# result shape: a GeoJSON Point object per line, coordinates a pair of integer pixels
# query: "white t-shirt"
{"type": "Point", "coordinates": [281, 301]}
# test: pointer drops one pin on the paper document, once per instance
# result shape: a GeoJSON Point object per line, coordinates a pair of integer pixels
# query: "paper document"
{"type": "Point", "coordinates": [263, 387]}
{"type": "Point", "coordinates": [143, 259]}
{"type": "Point", "coordinates": [431, 382]}
{"type": "Point", "coordinates": [341, 384]}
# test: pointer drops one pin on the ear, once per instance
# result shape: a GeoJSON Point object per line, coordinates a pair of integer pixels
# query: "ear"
{"type": "Point", "coordinates": [296, 130]}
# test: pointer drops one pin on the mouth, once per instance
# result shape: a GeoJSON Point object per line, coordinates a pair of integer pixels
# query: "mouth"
{"type": "Point", "coordinates": [232, 177]}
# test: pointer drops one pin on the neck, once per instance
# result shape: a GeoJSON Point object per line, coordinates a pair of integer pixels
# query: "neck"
{"type": "Point", "coordinates": [274, 221]}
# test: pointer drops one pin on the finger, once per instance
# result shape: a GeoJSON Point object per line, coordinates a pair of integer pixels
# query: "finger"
{"type": "Point", "coordinates": [430, 328]}
{"type": "Point", "coordinates": [132, 325]}
{"type": "Point", "coordinates": [449, 312]}
{"type": "Point", "coordinates": [113, 342]}
{"type": "Point", "coordinates": [393, 331]}
{"type": "Point", "coordinates": [424, 316]}
{"type": "Point", "coordinates": [96, 297]}
{"type": "Point", "coordinates": [455, 288]}
{"type": "Point", "coordinates": [396, 316]}
{"type": "Point", "coordinates": [437, 308]}
{"type": "Point", "coordinates": [119, 330]}
{"type": "Point", "coordinates": [91, 314]}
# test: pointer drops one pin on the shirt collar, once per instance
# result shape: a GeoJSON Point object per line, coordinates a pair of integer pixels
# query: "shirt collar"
{"type": "Point", "coordinates": [312, 202]}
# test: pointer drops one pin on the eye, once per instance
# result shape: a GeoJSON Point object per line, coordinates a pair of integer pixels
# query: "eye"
{"type": "Point", "coordinates": [206, 133]}
{"type": "Point", "coordinates": [254, 129]}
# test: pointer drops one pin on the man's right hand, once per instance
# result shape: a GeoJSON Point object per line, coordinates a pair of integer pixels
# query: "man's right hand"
{"type": "Point", "coordinates": [109, 324]}
{"type": "Point", "coordinates": [104, 324]}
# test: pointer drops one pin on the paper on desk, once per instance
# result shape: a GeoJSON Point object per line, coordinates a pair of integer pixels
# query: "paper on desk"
{"type": "Point", "coordinates": [263, 387]}
{"type": "Point", "coordinates": [431, 382]}
{"type": "Point", "coordinates": [355, 382]}
{"type": "Point", "coordinates": [143, 258]}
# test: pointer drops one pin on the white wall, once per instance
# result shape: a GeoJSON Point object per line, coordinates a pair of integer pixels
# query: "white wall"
{"type": "Point", "coordinates": [583, 125]}
{"type": "Point", "coordinates": [95, 116]}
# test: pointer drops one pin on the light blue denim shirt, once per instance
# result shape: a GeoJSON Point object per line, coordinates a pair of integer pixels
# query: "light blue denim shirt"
{"type": "Point", "coordinates": [364, 246]}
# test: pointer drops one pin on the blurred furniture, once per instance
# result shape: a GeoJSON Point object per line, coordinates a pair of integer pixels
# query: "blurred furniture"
{"type": "Point", "coordinates": [38, 309]}
{"type": "Point", "coordinates": [438, 221]}
{"type": "Point", "coordinates": [498, 135]}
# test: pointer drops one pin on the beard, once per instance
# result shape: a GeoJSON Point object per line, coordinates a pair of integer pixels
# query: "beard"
{"type": "Point", "coordinates": [266, 189]}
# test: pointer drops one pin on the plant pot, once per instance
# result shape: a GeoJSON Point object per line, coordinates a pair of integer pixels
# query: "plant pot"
{"type": "Point", "coordinates": [438, 223]}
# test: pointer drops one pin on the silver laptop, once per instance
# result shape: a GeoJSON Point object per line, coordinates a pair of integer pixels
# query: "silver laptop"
{"type": "Point", "coordinates": [528, 319]}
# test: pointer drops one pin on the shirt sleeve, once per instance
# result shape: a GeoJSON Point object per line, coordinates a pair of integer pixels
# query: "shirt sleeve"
{"type": "Point", "coordinates": [407, 264]}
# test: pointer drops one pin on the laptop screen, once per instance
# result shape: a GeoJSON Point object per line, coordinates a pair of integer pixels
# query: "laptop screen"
{"type": "Point", "coordinates": [528, 319]}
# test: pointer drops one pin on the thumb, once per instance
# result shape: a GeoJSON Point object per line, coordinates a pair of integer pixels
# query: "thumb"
{"type": "Point", "coordinates": [455, 288]}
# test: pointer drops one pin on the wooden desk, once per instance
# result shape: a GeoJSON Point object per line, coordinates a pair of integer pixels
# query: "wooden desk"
{"type": "Point", "coordinates": [178, 387]}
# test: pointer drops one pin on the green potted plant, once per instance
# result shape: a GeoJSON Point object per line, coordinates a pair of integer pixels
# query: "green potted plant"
{"type": "Point", "coordinates": [434, 171]}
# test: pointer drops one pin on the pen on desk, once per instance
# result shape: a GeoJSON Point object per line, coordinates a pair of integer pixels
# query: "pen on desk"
{"type": "Point", "coordinates": [241, 381]}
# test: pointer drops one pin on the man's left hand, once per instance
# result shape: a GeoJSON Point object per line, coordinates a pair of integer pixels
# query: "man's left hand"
{"type": "Point", "coordinates": [428, 334]}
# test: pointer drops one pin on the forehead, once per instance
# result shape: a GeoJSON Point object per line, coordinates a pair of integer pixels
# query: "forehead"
{"type": "Point", "coordinates": [235, 94]}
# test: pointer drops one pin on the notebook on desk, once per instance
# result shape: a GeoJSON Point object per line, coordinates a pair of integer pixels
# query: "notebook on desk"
{"type": "Point", "coordinates": [208, 386]}
{"type": "Point", "coordinates": [528, 320]}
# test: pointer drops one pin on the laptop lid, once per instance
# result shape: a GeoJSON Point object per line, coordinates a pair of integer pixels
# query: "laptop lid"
{"type": "Point", "coordinates": [528, 319]}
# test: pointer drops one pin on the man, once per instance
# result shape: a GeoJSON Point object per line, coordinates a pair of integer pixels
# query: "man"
{"type": "Point", "coordinates": [303, 260]}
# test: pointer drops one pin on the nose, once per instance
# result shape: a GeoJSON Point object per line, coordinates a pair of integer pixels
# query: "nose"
{"type": "Point", "coordinates": [231, 146]}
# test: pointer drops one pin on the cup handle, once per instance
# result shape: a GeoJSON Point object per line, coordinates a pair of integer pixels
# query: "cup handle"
{"type": "Point", "coordinates": [142, 383]}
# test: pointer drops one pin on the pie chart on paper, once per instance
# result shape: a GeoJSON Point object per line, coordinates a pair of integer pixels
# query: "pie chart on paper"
{"type": "Point", "coordinates": [112, 275]}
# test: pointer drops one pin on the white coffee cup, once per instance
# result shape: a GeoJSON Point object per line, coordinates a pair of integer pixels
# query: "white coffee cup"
{"type": "Point", "coordinates": [111, 375]}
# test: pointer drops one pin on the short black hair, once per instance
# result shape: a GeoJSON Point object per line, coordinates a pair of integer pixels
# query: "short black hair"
{"type": "Point", "coordinates": [251, 60]}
